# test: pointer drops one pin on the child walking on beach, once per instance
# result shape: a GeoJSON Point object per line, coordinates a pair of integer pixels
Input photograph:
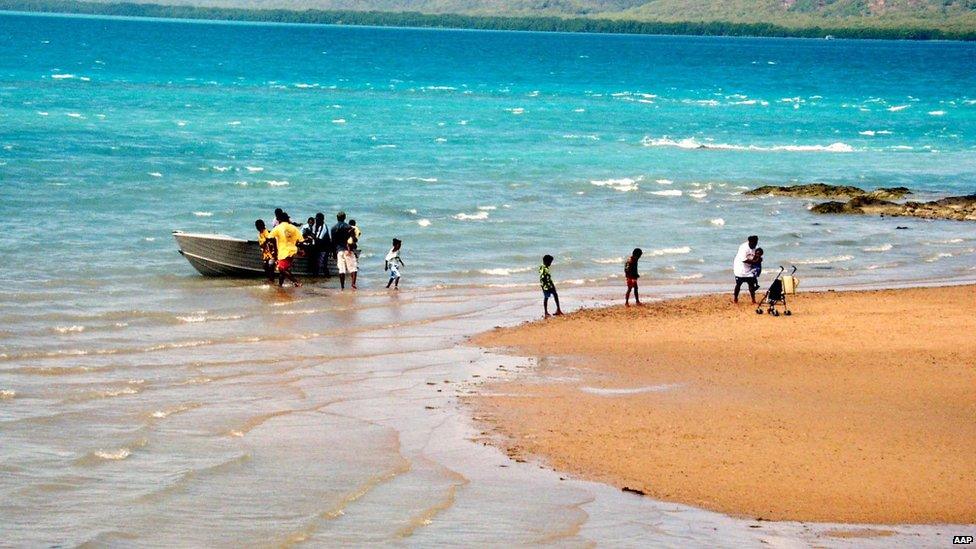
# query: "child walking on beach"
{"type": "Point", "coordinates": [548, 287]}
{"type": "Point", "coordinates": [392, 258]}
{"type": "Point", "coordinates": [630, 271]}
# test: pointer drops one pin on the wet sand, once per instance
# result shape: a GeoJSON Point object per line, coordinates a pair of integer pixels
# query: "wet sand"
{"type": "Point", "coordinates": [857, 409]}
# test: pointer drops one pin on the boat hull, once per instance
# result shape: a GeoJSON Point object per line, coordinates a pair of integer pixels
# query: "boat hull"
{"type": "Point", "coordinates": [221, 255]}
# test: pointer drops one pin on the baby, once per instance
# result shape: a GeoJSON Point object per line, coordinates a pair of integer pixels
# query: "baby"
{"type": "Point", "coordinates": [755, 260]}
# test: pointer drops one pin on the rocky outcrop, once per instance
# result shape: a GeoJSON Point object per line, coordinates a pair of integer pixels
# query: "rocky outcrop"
{"type": "Point", "coordinates": [834, 192]}
{"type": "Point", "coordinates": [960, 208]}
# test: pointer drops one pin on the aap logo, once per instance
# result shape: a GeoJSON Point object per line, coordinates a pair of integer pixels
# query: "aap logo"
{"type": "Point", "coordinates": [962, 540]}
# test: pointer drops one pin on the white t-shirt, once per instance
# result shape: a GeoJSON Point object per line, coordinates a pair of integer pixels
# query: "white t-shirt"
{"type": "Point", "coordinates": [739, 266]}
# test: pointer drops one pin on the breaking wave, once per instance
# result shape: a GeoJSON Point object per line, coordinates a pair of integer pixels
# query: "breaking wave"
{"type": "Point", "coordinates": [690, 143]}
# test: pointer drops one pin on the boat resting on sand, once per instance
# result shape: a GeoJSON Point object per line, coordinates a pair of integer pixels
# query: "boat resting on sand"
{"type": "Point", "coordinates": [222, 255]}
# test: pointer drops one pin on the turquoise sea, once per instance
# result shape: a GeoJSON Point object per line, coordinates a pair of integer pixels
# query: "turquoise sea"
{"type": "Point", "coordinates": [141, 403]}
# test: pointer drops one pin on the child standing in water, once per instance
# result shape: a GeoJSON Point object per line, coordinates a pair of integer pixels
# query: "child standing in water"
{"type": "Point", "coordinates": [392, 258]}
{"type": "Point", "coordinates": [548, 287]}
{"type": "Point", "coordinates": [630, 271]}
{"type": "Point", "coordinates": [269, 251]}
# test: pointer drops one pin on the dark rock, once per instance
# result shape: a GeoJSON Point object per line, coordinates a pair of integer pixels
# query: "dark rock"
{"type": "Point", "coordinates": [634, 491]}
{"type": "Point", "coordinates": [959, 208]}
{"type": "Point", "coordinates": [828, 208]}
{"type": "Point", "coordinates": [821, 190]}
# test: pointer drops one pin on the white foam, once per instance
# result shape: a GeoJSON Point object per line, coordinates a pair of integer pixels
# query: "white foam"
{"type": "Point", "coordinates": [254, 169]}
{"type": "Point", "coordinates": [695, 194]}
{"type": "Point", "coordinates": [43, 113]}
{"type": "Point", "coordinates": [221, 168]}
{"type": "Point", "coordinates": [155, 174]}
{"type": "Point", "coordinates": [487, 208]}
{"type": "Point", "coordinates": [937, 113]}
{"type": "Point", "coordinates": [718, 222]}
{"type": "Point", "coordinates": [468, 217]}
{"type": "Point", "coordinates": [203, 214]}
{"type": "Point", "coordinates": [669, 192]}
{"type": "Point", "coordinates": [695, 276]}
{"type": "Point", "coordinates": [277, 183]}
{"type": "Point", "coordinates": [64, 76]}
{"type": "Point", "coordinates": [898, 108]}
{"type": "Point", "coordinates": [440, 140]}
{"type": "Point", "coordinates": [824, 260]}
{"type": "Point", "coordinates": [75, 115]}
{"type": "Point", "coordinates": [623, 184]}
{"type": "Point", "coordinates": [69, 329]}
{"type": "Point", "coordinates": [504, 272]}
{"type": "Point", "coordinates": [423, 222]}
{"type": "Point", "coordinates": [424, 179]}
{"type": "Point", "coordinates": [338, 120]}
{"type": "Point", "coordinates": [234, 123]}
{"type": "Point", "coordinates": [664, 181]}
{"type": "Point", "coordinates": [869, 133]}
{"type": "Point", "coordinates": [579, 110]}
{"type": "Point", "coordinates": [516, 110]}
{"type": "Point", "coordinates": [881, 248]}
{"type": "Point", "coordinates": [670, 251]}
{"type": "Point", "coordinates": [591, 137]}
{"type": "Point", "coordinates": [609, 260]}
{"type": "Point", "coordinates": [690, 143]}
{"type": "Point", "coordinates": [937, 257]}
{"type": "Point", "coordinates": [116, 455]}
{"type": "Point", "coordinates": [192, 319]}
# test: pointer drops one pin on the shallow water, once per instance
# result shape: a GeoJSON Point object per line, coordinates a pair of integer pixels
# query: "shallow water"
{"type": "Point", "coordinates": [140, 403]}
{"type": "Point", "coordinates": [321, 420]}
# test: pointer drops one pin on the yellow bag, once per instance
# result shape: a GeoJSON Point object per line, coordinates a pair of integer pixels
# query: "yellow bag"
{"type": "Point", "coordinates": [789, 284]}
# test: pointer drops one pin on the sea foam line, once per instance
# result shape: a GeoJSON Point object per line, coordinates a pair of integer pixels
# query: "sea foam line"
{"type": "Point", "coordinates": [690, 143]}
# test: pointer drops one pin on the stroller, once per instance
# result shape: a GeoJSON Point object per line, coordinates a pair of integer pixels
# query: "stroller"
{"type": "Point", "coordinates": [776, 293]}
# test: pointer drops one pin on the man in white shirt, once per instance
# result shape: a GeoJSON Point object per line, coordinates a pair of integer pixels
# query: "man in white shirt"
{"type": "Point", "coordinates": [742, 268]}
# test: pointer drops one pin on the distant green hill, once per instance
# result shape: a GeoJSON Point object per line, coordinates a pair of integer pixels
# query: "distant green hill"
{"type": "Point", "coordinates": [907, 19]}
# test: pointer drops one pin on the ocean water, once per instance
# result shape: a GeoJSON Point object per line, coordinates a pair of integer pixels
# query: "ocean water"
{"type": "Point", "coordinates": [141, 403]}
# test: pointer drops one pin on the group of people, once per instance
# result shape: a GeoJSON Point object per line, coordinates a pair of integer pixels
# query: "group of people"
{"type": "Point", "coordinates": [285, 241]}
{"type": "Point", "coordinates": [746, 268]}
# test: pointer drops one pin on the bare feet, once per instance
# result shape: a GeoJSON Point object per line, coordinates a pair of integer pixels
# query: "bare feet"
{"type": "Point", "coordinates": [559, 313]}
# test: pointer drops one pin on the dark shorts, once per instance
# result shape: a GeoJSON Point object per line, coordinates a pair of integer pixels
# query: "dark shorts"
{"type": "Point", "coordinates": [631, 282]}
{"type": "Point", "coordinates": [751, 281]}
{"type": "Point", "coordinates": [285, 264]}
{"type": "Point", "coordinates": [549, 293]}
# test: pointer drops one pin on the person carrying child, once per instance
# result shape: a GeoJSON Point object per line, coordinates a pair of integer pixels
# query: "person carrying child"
{"type": "Point", "coordinates": [548, 286]}
{"type": "Point", "coordinates": [630, 271]}
{"type": "Point", "coordinates": [392, 258]}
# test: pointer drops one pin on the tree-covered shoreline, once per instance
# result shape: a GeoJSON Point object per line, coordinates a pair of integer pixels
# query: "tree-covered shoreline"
{"type": "Point", "coordinates": [486, 22]}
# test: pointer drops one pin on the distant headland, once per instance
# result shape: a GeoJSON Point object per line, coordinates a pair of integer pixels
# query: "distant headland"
{"type": "Point", "coordinates": [809, 27]}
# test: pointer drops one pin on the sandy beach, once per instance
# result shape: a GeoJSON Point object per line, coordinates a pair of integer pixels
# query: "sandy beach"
{"type": "Point", "coordinates": [858, 409]}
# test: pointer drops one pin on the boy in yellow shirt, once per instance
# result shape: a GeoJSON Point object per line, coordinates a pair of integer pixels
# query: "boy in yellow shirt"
{"type": "Point", "coordinates": [286, 237]}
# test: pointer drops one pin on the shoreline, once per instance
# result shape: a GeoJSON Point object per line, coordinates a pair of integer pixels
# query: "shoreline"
{"type": "Point", "coordinates": [523, 414]}
{"type": "Point", "coordinates": [505, 23]}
